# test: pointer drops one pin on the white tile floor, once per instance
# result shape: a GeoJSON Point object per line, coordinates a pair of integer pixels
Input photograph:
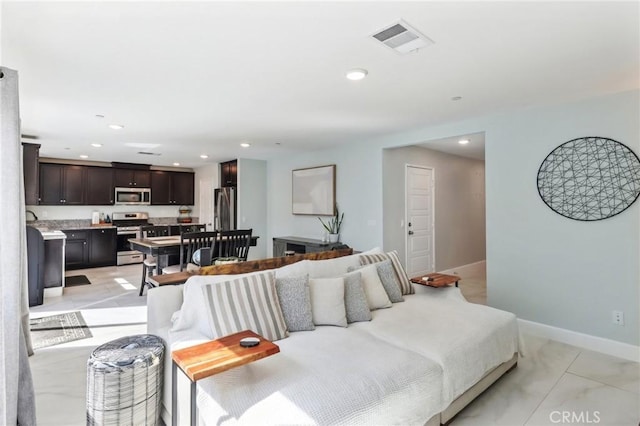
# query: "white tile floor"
{"type": "Point", "coordinates": [553, 379]}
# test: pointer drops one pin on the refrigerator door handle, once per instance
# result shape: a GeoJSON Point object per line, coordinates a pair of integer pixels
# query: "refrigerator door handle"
{"type": "Point", "coordinates": [232, 206]}
{"type": "Point", "coordinates": [217, 218]}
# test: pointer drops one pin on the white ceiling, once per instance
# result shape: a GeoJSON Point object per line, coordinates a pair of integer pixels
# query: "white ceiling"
{"type": "Point", "coordinates": [201, 77]}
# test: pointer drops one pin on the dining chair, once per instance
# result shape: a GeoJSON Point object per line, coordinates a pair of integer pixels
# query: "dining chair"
{"type": "Point", "coordinates": [149, 262]}
{"type": "Point", "coordinates": [190, 242]}
{"type": "Point", "coordinates": [235, 244]}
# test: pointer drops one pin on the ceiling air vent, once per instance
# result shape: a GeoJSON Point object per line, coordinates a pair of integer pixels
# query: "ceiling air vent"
{"type": "Point", "coordinates": [402, 38]}
{"type": "Point", "coordinates": [148, 153]}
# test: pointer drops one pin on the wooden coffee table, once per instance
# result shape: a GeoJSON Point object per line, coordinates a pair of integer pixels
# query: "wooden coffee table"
{"type": "Point", "coordinates": [437, 280]}
{"type": "Point", "coordinates": [213, 357]}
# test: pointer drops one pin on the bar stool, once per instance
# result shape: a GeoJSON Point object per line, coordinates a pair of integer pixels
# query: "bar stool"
{"type": "Point", "coordinates": [149, 262]}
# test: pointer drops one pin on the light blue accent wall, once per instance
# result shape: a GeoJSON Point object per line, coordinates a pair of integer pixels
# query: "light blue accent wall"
{"type": "Point", "coordinates": [358, 194]}
{"type": "Point", "coordinates": [540, 265]}
{"type": "Point", "coordinates": [252, 203]}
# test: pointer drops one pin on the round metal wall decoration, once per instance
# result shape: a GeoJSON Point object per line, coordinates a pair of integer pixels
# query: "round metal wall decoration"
{"type": "Point", "coordinates": [590, 178]}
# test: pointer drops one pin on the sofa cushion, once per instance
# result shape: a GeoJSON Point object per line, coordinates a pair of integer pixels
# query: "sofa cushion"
{"type": "Point", "coordinates": [403, 279]}
{"type": "Point", "coordinates": [376, 295]}
{"type": "Point", "coordinates": [297, 269]}
{"type": "Point", "coordinates": [250, 302]}
{"type": "Point", "coordinates": [327, 301]}
{"type": "Point", "coordinates": [331, 268]}
{"type": "Point", "coordinates": [295, 302]}
{"type": "Point", "coordinates": [355, 301]}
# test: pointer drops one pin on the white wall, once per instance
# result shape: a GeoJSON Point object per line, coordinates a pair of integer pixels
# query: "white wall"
{"type": "Point", "coordinates": [358, 193]}
{"type": "Point", "coordinates": [252, 203]}
{"type": "Point", "coordinates": [205, 181]}
{"type": "Point", "coordinates": [459, 216]}
{"type": "Point", "coordinates": [541, 266]}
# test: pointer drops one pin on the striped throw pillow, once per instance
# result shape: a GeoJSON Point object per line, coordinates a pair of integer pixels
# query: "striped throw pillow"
{"type": "Point", "coordinates": [247, 303]}
{"type": "Point", "coordinates": [401, 275]}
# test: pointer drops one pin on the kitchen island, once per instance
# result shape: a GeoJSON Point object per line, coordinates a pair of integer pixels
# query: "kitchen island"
{"type": "Point", "coordinates": [163, 247]}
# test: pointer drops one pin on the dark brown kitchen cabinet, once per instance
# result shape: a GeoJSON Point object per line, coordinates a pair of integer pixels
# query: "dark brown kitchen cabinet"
{"type": "Point", "coordinates": [102, 247]}
{"type": "Point", "coordinates": [62, 184]}
{"type": "Point", "coordinates": [168, 188]}
{"type": "Point", "coordinates": [30, 158]}
{"type": "Point", "coordinates": [100, 188]}
{"type": "Point", "coordinates": [76, 252]}
{"type": "Point", "coordinates": [229, 173]}
{"type": "Point", "coordinates": [89, 248]}
{"type": "Point", "coordinates": [182, 188]}
{"type": "Point", "coordinates": [160, 187]}
{"type": "Point", "coordinates": [125, 178]}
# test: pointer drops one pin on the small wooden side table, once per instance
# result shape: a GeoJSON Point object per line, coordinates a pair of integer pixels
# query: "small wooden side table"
{"type": "Point", "coordinates": [437, 280]}
{"type": "Point", "coordinates": [213, 357]}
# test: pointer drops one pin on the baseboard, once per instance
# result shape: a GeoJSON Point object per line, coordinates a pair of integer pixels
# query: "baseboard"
{"type": "Point", "coordinates": [586, 341]}
{"type": "Point", "coordinates": [464, 269]}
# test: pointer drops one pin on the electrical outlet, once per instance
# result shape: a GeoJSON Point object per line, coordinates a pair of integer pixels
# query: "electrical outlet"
{"type": "Point", "coordinates": [617, 317]}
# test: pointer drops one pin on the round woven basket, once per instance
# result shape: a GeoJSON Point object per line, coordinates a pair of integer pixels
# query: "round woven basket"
{"type": "Point", "coordinates": [124, 381]}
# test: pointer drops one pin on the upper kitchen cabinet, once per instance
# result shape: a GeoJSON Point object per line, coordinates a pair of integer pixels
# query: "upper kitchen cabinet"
{"type": "Point", "coordinates": [62, 184]}
{"type": "Point", "coordinates": [125, 178]}
{"type": "Point", "coordinates": [30, 159]}
{"type": "Point", "coordinates": [100, 187]}
{"type": "Point", "coordinates": [229, 173]}
{"type": "Point", "coordinates": [172, 188]}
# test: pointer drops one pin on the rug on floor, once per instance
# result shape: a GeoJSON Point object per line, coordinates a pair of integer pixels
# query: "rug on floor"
{"type": "Point", "coordinates": [76, 280]}
{"type": "Point", "coordinates": [57, 329]}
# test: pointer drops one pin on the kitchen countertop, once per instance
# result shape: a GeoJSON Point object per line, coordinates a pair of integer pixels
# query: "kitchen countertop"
{"type": "Point", "coordinates": [53, 235]}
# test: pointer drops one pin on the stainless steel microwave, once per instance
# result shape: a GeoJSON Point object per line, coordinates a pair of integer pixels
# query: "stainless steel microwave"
{"type": "Point", "coordinates": [133, 196]}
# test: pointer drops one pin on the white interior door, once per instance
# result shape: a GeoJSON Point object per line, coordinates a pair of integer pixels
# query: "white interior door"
{"type": "Point", "coordinates": [420, 220]}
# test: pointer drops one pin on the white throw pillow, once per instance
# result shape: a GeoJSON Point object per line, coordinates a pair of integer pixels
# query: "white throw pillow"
{"type": "Point", "coordinates": [327, 301]}
{"type": "Point", "coordinates": [374, 290]}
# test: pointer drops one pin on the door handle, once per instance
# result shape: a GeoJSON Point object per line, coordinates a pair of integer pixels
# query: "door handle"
{"type": "Point", "coordinates": [410, 232]}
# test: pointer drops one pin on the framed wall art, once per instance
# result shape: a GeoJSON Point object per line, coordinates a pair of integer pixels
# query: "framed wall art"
{"type": "Point", "coordinates": [314, 190]}
{"type": "Point", "coordinates": [590, 178]}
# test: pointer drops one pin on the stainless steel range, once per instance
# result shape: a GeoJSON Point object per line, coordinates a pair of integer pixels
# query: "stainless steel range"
{"type": "Point", "coordinates": [128, 226]}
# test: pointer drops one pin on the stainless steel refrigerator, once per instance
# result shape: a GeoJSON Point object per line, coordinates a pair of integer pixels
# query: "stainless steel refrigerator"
{"type": "Point", "coordinates": [225, 211]}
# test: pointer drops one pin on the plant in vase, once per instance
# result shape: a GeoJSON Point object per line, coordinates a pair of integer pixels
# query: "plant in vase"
{"type": "Point", "coordinates": [333, 225]}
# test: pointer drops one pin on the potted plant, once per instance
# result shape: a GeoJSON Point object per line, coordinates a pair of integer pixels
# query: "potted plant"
{"type": "Point", "coordinates": [333, 225]}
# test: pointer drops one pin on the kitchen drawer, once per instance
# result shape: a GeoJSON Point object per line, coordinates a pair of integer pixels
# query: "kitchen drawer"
{"type": "Point", "coordinates": [76, 234]}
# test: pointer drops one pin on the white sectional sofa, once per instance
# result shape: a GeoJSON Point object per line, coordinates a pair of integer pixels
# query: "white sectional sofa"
{"type": "Point", "coordinates": [419, 361]}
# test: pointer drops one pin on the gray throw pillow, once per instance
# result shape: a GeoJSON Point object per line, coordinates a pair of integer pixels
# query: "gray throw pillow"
{"type": "Point", "coordinates": [355, 301]}
{"type": "Point", "coordinates": [295, 302]}
{"type": "Point", "coordinates": [389, 281]}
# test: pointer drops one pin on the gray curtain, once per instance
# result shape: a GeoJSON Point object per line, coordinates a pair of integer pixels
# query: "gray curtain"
{"type": "Point", "coordinates": [16, 408]}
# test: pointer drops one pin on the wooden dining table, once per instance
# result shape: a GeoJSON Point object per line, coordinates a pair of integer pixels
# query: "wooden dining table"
{"type": "Point", "coordinates": [162, 247]}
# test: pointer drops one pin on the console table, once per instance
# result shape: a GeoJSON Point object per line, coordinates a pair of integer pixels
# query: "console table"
{"type": "Point", "coordinates": [300, 245]}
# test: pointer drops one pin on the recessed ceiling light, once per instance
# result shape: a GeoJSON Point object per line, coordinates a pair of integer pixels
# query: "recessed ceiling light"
{"type": "Point", "coordinates": [176, 164]}
{"type": "Point", "coordinates": [204, 156]}
{"type": "Point", "coordinates": [245, 145]}
{"type": "Point", "coordinates": [149, 146]}
{"type": "Point", "coordinates": [84, 156]}
{"type": "Point", "coordinates": [463, 141]}
{"type": "Point", "coordinates": [116, 126]}
{"type": "Point", "coordinates": [96, 145]}
{"type": "Point", "coordinates": [357, 74]}
{"type": "Point", "coordinates": [456, 98]}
